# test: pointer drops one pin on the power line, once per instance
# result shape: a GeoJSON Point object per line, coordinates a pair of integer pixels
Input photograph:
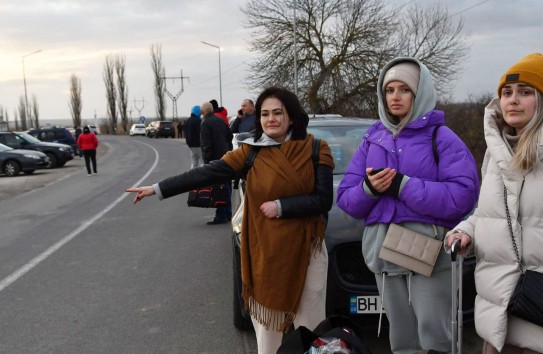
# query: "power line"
{"type": "Point", "coordinates": [469, 8]}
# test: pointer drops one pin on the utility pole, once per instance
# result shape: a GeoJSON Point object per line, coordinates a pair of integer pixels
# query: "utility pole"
{"type": "Point", "coordinates": [174, 97]}
{"type": "Point", "coordinates": [138, 108]}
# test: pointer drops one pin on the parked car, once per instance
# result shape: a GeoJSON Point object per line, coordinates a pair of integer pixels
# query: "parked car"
{"type": "Point", "coordinates": [58, 154]}
{"type": "Point", "coordinates": [160, 129]}
{"type": "Point", "coordinates": [137, 129]}
{"type": "Point", "coordinates": [13, 162]}
{"type": "Point", "coordinates": [351, 287]}
{"type": "Point", "coordinates": [94, 129]}
{"type": "Point", "coordinates": [56, 135]}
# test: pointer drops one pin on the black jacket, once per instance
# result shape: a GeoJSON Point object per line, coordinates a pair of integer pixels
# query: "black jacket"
{"type": "Point", "coordinates": [215, 138]}
{"type": "Point", "coordinates": [320, 201]}
{"type": "Point", "coordinates": [191, 129]}
{"type": "Point", "coordinates": [243, 124]}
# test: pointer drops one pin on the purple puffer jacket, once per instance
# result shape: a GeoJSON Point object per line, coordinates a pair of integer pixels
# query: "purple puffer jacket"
{"type": "Point", "coordinates": [441, 195]}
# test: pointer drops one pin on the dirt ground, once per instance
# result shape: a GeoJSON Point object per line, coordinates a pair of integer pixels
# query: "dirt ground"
{"type": "Point", "coordinates": [11, 187]}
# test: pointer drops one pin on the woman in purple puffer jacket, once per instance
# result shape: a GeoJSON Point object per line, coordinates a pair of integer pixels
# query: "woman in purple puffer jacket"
{"type": "Point", "coordinates": [422, 187]}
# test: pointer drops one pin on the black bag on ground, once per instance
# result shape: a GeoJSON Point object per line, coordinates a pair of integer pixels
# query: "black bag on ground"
{"type": "Point", "coordinates": [527, 299]}
{"type": "Point", "coordinates": [208, 197]}
{"type": "Point", "coordinates": [300, 340]}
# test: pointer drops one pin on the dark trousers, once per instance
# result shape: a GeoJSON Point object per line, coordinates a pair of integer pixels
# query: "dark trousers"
{"type": "Point", "coordinates": [90, 155]}
{"type": "Point", "coordinates": [225, 212]}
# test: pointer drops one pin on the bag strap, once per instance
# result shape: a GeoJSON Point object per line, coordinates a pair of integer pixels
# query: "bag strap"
{"type": "Point", "coordinates": [510, 224]}
{"type": "Point", "coordinates": [434, 145]}
{"type": "Point", "coordinates": [315, 153]}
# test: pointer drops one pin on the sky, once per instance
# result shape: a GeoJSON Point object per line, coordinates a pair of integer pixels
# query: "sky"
{"type": "Point", "coordinates": [75, 36]}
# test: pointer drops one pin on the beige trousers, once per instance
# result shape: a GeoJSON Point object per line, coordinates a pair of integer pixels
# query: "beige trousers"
{"type": "Point", "coordinates": [312, 309]}
{"type": "Point", "coordinates": [507, 349]}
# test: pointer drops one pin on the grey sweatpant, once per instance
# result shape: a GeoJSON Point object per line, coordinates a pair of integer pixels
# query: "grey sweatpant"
{"type": "Point", "coordinates": [425, 323]}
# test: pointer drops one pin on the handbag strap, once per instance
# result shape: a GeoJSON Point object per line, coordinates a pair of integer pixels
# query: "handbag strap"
{"type": "Point", "coordinates": [510, 224]}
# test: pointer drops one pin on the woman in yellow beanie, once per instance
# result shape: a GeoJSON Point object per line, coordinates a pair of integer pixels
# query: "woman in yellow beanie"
{"type": "Point", "coordinates": [506, 229]}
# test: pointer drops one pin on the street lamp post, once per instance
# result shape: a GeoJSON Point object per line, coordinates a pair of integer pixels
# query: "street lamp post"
{"type": "Point", "coordinates": [220, 76]}
{"type": "Point", "coordinates": [24, 82]}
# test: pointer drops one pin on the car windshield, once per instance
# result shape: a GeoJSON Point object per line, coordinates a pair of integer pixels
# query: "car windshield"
{"type": "Point", "coordinates": [139, 126]}
{"type": "Point", "coordinates": [29, 138]}
{"type": "Point", "coordinates": [4, 148]}
{"type": "Point", "coordinates": [343, 141]}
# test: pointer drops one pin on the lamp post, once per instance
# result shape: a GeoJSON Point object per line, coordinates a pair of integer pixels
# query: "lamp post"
{"type": "Point", "coordinates": [220, 76]}
{"type": "Point", "coordinates": [24, 81]}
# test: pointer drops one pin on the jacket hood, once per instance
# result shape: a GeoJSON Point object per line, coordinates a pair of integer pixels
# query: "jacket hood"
{"type": "Point", "coordinates": [196, 111]}
{"type": "Point", "coordinates": [425, 100]}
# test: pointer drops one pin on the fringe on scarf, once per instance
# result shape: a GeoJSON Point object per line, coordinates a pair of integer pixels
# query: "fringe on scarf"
{"type": "Point", "coordinates": [279, 321]}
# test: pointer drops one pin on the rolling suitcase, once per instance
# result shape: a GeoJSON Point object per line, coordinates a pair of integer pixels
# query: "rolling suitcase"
{"type": "Point", "coordinates": [457, 318]}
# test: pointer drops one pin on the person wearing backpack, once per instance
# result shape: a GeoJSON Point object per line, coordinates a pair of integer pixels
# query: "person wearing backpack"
{"type": "Point", "coordinates": [284, 262]}
{"type": "Point", "coordinates": [398, 176]}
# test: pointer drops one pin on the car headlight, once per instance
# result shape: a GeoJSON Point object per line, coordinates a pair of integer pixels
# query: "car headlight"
{"type": "Point", "coordinates": [63, 149]}
{"type": "Point", "coordinates": [32, 156]}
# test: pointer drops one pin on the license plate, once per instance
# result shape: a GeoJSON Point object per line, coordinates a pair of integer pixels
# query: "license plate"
{"type": "Point", "coordinates": [365, 304]}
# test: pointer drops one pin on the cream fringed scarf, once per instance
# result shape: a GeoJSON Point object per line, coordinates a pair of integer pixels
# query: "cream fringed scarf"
{"type": "Point", "coordinates": [275, 252]}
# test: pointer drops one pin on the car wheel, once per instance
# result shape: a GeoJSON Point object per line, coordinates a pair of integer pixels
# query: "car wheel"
{"type": "Point", "coordinates": [242, 320]}
{"type": "Point", "coordinates": [29, 172]}
{"type": "Point", "coordinates": [52, 161]}
{"type": "Point", "coordinates": [12, 168]}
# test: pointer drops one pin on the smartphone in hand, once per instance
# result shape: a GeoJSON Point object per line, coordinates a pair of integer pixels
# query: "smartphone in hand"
{"type": "Point", "coordinates": [376, 170]}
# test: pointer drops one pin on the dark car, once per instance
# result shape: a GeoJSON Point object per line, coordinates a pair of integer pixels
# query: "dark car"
{"type": "Point", "coordinates": [55, 135]}
{"type": "Point", "coordinates": [351, 286]}
{"type": "Point", "coordinates": [160, 129]}
{"type": "Point", "coordinates": [58, 154]}
{"type": "Point", "coordinates": [13, 162]}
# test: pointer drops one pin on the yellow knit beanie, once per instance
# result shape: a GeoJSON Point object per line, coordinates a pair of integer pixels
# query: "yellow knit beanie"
{"type": "Point", "coordinates": [528, 70]}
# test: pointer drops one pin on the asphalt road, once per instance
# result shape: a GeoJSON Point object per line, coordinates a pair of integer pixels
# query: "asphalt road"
{"type": "Point", "coordinates": [83, 270]}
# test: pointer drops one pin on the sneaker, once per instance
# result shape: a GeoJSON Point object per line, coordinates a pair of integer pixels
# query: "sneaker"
{"type": "Point", "coordinates": [217, 221]}
{"type": "Point", "coordinates": [89, 175]}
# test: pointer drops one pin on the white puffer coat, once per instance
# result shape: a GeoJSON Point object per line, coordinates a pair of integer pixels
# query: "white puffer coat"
{"type": "Point", "coordinates": [497, 270]}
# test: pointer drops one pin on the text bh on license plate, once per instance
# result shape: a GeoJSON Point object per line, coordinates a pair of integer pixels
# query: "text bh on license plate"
{"type": "Point", "coordinates": [365, 304]}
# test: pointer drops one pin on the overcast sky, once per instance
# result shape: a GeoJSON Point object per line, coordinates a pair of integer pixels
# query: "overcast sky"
{"type": "Point", "coordinates": [75, 36]}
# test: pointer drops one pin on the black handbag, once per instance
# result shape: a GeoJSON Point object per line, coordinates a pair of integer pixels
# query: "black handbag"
{"type": "Point", "coordinates": [527, 299]}
{"type": "Point", "coordinates": [208, 197]}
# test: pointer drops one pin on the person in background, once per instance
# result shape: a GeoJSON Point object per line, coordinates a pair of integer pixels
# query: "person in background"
{"type": "Point", "coordinates": [283, 254]}
{"type": "Point", "coordinates": [245, 122]}
{"type": "Point", "coordinates": [88, 143]}
{"type": "Point", "coordinates": [422, 188]}
{"type": "Point", "coordinates": [220, 111]}
{"type": "Point", "coordinates": [216, 140]}
{"type": "Point", "coordinates": [77, 134]}
{"type": "Point", "coordinates": [192, 136]}
{"type": "Point", "coordinates": [512, 173]}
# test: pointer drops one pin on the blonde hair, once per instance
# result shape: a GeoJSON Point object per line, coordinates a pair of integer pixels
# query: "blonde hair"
{"type": "Point", "coordinates": [525, 156]}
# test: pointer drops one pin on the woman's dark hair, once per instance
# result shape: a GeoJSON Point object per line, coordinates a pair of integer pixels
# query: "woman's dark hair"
{"type": "Point", "coordinates": [295, 111]}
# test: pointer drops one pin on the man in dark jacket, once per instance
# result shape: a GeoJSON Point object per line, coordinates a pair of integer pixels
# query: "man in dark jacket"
{"type": "Point", "coordinates": [216, 140]}
{"type": "Point", "coordinates": [191, 129]}
{"type": "Point", "coordinates": [245, 122]}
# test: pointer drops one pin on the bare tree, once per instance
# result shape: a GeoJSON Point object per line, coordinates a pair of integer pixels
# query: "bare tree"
{"type": "Point", "coordinates": [75, 102]}
{"type": "Point", "coordinates": [122, 90]}
{"type": "Point", "coordinates": [16, 120]}
{"type": "Point", "coordinates": [430, 36]}
{"type": "Point", "coordinates": [159, 72]}
{"type": "Point", "coordinates": [22, 113]}
{"type": "Point", "coordinates": [36, 111]}
{"type": "Point", "coordinates": [109, 81]}
{"type": "Point", "coordinates": [341, 46]}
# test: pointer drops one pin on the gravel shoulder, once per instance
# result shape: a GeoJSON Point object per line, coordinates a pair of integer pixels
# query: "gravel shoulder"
{"type": "Point", "coordinates": [10, 187]}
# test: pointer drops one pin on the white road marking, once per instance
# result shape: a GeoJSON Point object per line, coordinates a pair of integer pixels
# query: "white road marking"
{"type": "Point", "coordinates": [7, 281]}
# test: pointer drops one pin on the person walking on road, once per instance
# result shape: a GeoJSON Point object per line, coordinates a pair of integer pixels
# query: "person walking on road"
{"type": "Point", "coordinates": [399, 176]}
{"type": "Point", "coordinates": [88, 143]}
{"type": "Point", "coordinates": [505, 245]}
{"type": "Point", "coordinates": [284, 262]}
{"type": "Point", "coordinates": [192, 136]}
